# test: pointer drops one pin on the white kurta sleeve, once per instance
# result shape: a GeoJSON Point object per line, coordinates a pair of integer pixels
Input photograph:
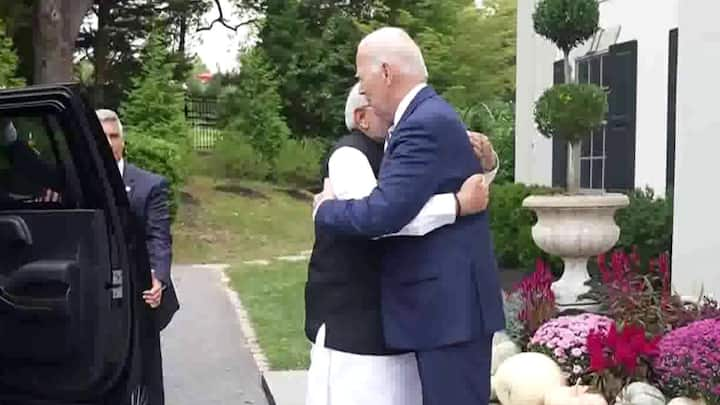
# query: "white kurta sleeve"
{"type": "Point", "coordinates": [351, 177]}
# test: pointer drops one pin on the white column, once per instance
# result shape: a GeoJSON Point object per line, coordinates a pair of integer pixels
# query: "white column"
{"type": "Point", "coordinates": [696, 239]}
{"type": "Point", "coordinates": [535, 57]}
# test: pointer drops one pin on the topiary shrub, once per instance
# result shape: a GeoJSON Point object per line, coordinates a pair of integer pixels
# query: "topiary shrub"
{"type": "Point", "coordinates": [571, 111]}
{"type": "Point", "coordinates": [567, 23]}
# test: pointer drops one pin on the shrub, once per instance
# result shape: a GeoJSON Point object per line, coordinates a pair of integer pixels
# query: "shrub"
{"type": "Point", "coordinates": [253, 107]}
{"type": "Point", "coordinates": [688, 362]}
{"type": "Point", "coordinates": [571, 111]}
{"type": "Point", "coordinates": [299, 162]}
{"type": "Point", "coordinates": [511, 225]}
{"type": "Point", "coordinates": [647, 222]}
{"type": "Point", "coordinates": [565, 340]}
{"type": "Point", "coordinates": [567, 23]}
{"type": "Point", "coordinates": [160, 157]}
{"type": "Point", "coordinates": [234, 157]}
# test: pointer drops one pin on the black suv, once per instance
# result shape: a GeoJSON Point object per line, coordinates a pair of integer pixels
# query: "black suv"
{"type": "Point", "coordinates": [73, 263]}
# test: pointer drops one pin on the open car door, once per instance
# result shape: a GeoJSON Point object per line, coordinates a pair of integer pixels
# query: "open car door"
{"type": "Point", "coordinates": [73, 328]}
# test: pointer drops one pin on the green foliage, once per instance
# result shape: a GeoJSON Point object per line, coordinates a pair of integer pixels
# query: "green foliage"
{"type": "Point", "coordinates": [235, 157]}
{"type": "Point", "coordinates": [647, 222]}
{"type": "Point", "coordinates": [299, 162]}
{"type": "Point", "coordinates": [511, 225]}
{"type": "Point", "coordinates": [157, 136]}
{"type": "Point", "coordinates": [571, 111]}
{"type": "Point", "coordinates": [567, 23]}
{"type": "Point", "coordinates": [252, 108]}
{"type": "Point", "coordinates": [160, 157]}
{"type": "Point", "coordinates": [8, 61]}
{"type": "Point", "coordinates": [497, 121]}
{"type": "Point", "coordinates": [156, 104]}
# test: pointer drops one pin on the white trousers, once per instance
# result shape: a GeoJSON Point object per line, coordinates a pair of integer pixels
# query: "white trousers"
{"type": "Point", "coordinates": [340, 378]}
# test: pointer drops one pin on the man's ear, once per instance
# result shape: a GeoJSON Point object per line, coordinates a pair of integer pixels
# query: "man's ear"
{"type": "Point", "coordinates": [387, 73]}
{"type": "Point", "coordinates": [361, 120]}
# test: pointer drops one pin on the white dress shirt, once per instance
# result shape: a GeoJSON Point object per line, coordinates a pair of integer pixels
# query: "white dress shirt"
{"type": "Point", "coordinates": [121, 167]}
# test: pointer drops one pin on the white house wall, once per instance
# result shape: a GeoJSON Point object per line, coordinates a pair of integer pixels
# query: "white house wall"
{"type": "Point", "coordinates": [648, 22]}
{"type": "Point", "coordinates": [696, 240]}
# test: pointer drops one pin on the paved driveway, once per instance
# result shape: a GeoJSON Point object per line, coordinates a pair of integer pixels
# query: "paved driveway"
{"type": "Point", "coordinates": [205, 360]}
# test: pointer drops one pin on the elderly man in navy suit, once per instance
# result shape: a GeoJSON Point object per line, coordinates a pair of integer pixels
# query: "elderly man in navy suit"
{"type": "Point", "coordinates": [441, 295]}
{"type": "Point", "coordinates": [148, 196]}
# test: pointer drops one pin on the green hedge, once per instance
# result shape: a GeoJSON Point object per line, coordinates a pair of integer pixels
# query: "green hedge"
{"type": "Point", "coordinates": [646, 223]}
{"type": "Point", "coordinates": [160, 157]}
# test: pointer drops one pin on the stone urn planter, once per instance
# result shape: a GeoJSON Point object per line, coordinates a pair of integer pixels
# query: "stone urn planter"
{"type": "Point", "coordinates": [575, 228]}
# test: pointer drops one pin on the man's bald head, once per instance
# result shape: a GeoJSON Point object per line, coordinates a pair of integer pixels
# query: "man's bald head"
{"type": "Point", "coordinates": [389, 64]}
{"type": "Point", "coordinates": [394, 46]}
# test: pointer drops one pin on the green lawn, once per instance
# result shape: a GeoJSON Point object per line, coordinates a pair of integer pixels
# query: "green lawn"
{"type": "Point", "coordinates": [253, 221]}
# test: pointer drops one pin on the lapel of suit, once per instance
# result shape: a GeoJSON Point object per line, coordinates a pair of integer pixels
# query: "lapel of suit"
{"type": "Point", "coordinates": [129, 179]}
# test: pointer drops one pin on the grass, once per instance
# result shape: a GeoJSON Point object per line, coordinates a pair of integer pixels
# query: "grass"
{"type": "Point", "coordinates": [253, 221]}
{"type": "Point", "coordinates": [273, 295]}
{"type": "Point", "coordinates": [231, 227]}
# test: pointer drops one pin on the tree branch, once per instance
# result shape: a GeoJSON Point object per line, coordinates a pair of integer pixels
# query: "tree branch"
{"type": "Point", "coordinates": [222, 21]}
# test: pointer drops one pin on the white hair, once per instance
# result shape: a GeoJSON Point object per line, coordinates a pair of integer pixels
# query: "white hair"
{"type": "Point", "coordinates": [110, 116]}
{"type": "Point", "coordinates": [354, 101]}
{"type": "Point", "coordinates": [394, 46]}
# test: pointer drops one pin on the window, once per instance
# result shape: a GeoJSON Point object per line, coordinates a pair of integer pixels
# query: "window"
{"type": "Point", "coordinates": [592, 69]}
{"type": "Point", "coordinates": [33, 159]}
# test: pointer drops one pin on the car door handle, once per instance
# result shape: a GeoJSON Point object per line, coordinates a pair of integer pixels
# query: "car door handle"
{"type": "Point", "coordinates": [40, 288]}
{"type": "Point", "coordinates": [14, 231]}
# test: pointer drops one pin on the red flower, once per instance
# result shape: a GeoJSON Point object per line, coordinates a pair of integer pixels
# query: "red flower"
{"type": "Point", "coordinates": [596, 350]}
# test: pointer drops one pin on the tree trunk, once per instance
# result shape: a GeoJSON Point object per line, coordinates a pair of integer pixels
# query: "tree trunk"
{"type": "Point", "coordinates": [183, 34]}
{"type": "Point", "coordinates": [573, 167]}
{"type": "Point", "coordinates": [57, 24]}
{"type": "Point", "coordinates": [101, 52]}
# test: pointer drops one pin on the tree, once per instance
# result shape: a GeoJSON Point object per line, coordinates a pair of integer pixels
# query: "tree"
{"type": "Point", "coordinates": [251, 112]}
{"type": "Point", "coordinates": [57, 24]}
{"type": "Point", "coordinates": [155, 105]}
{"type": "Point", "coordinates": [158, 137]}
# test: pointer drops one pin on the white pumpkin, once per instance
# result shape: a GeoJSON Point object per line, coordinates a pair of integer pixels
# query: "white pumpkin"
{"type": "Point", "coordinates": [576, 395]}
{"type": "Point", "coordinates": [500, 337]}
{"type": "Point", "coordinates": [493, 395]}
{"type": "Point", "coordinates": [640, 393]}
{"type": "Point", "coordinates": [524, 378]}
{"type": "Point", "coordinates": [502, 352]}
{"type": "Point", "coordinates": [686, 401]}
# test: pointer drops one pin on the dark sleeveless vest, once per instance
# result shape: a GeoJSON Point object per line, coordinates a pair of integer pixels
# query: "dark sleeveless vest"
{"type": "Point", "coordinates": [343, 287]}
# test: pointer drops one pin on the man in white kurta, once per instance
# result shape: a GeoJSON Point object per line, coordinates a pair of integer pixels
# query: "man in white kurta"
{"type": "Point", "coordinates": [341, 378]}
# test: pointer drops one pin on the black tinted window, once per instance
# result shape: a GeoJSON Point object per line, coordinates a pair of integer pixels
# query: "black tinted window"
{"type": "Point", "coordinates": [34, 160]}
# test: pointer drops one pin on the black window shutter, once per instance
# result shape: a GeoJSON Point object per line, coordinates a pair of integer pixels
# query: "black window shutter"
{"type": "Point", "coordinates": [622, 103]}
{"type": "Point", "coordinates": [671, 109]}
{"type": "Point", "coordinates": [559, 153]}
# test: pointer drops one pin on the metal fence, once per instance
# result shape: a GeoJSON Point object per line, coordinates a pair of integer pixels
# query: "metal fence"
{"type": "Point", "coordinates": [201, 114]}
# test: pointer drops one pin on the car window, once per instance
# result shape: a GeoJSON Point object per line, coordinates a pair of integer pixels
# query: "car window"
{"type": "Point", "coordinates": [34, 164]}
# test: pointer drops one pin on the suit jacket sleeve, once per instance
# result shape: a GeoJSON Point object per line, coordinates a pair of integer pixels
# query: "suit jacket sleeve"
{"type": "Point", "coordinates": [407, 181]}
{"type": "Point", "coordinates": [157, 230]}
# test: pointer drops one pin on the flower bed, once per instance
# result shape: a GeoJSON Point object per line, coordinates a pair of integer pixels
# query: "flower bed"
{"type": "Point", "coordinates": [645, 341]}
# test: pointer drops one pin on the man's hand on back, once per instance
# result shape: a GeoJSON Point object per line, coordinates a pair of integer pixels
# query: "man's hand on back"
{"type": "Point", "coordinates": [327, 193]}
{"type": "Point", "coordinates": [473, 196]}
{"type": "Point", "coordinates": [483, 150]}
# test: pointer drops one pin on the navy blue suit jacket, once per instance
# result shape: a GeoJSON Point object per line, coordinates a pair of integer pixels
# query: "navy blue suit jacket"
{"type": "Point", "coordinates": [148, 196]}
{"type": "Point", "coordinates": [442, 288]}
